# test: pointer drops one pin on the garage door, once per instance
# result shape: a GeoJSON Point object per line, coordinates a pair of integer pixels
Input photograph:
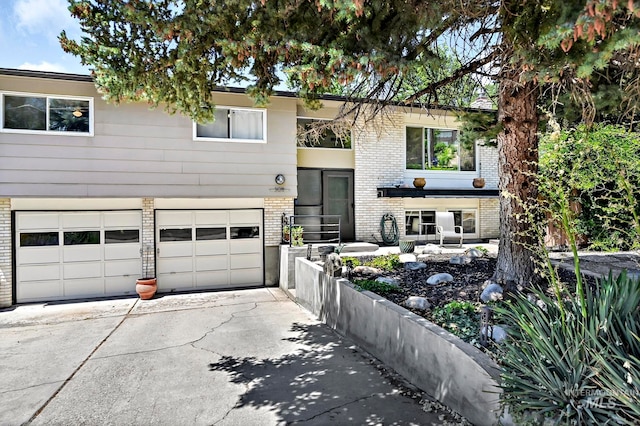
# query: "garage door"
{"type": "Point", "coordinates": [206, 249]}
{"type": "Point", "coordinates": [72, 255]}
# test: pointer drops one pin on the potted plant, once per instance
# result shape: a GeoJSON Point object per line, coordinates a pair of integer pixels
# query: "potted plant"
{"type": "Point", "coordinates": [286, 233]}
{"type": "Point", "coordinates": [147, 285]}
{"type": "Point", "coordinates": [297, 239]}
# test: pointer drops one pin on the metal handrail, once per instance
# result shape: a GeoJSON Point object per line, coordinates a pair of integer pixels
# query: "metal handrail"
{"type": "Point", "coordinates": [326, 231]}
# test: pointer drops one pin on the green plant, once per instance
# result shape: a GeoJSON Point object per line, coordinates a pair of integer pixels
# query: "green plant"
{"type": "Point", "coordinates": [460, 318]}
{"type": "Point", "coordinates": [582, 370]}
{"type": "Point", "coordinates": [354, 261]}
{"type": "Point", "coordinates": [297, 236]}
{"type": "Point", "coordinates": [377, 287]}
{"type": "Point", "coordinates": [387, 262]}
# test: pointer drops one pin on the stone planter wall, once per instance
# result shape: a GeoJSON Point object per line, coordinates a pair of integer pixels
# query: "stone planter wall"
{"type": "Point", "coordinates": [445, 367]}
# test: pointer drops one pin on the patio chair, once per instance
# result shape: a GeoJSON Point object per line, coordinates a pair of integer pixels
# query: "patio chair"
{"type": "Point", "coordinates": [446, 227]}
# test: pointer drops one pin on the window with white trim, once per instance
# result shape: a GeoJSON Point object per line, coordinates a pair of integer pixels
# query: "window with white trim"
{"type": "Point", "coordinates": [466, 219]}
{"type": "Point", "coordinates": [234, 124]}
{"type": "Point", "coordinates": [420, 222]}
{"type": "Point", "coordinates": [438, 149]}
{"type": "Point", "coordinates": [319, 133]}
{"type": "Point", "coordinates": [33, 113]}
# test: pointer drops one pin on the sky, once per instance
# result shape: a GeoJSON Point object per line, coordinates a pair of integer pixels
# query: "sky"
{"type": "Point", "coordinates": [29, 32]}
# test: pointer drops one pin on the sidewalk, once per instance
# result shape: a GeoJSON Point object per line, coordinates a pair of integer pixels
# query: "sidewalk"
{"type": "Point", "coordinates": [249, 357]}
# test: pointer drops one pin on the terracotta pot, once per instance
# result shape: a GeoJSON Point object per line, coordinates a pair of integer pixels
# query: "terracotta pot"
{"type": "Point", "coordinates": [478, 183]}
{"type": "Point", "coordinates": [419, 182]}
{"type": "Point", "coordinates": [146, 287]}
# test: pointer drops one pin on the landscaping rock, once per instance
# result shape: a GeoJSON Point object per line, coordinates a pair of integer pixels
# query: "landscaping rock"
{"type": "Point", "coordinates": [366, 270]}
{"type": "Point", "coordinates": [460, 260]}
{"type": "Point", "coordinates": [417, 302]}
{"type": "Point", "coordinates": [407, 257]}
{"type": "Point", "coordinates": [432, 249]}
{"type": "Point", "coordinates": [491, 293]}
{"type": "Point", "coordinates": [415, 266]}
{"type": "Point", "coordinates": [390, 281]}
{"type": "Point", "coordinates": [497, 333]}
{"type": "Point", "coordinates": [423, 257]}
{"type": "Point", "coordinates": [473, 253]}
{"type": "Point", "coordinates": [439, 278]}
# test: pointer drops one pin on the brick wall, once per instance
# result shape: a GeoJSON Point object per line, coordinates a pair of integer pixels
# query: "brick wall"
{"type": "Point", "coordinates": [379, 161]}
{"type": "Point", "coordinates": [148, 237]}
{"type": "Point", "coordinates": [273, 209]}
{"type": "Point", "coordinates": [489, 212]}
{"type": "Point", "coordinates": [6, 273]}
{"type": "Point", "coordinates": [488, 157]}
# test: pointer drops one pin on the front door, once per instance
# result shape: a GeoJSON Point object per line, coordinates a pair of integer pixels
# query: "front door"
{"type": "Point", "coordinates": [337, 199]}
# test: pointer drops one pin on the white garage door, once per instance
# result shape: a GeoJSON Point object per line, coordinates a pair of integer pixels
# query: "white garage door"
{"type": "Point", "coordinates": [72, 255]}
{"type": "Point", "coordinates": [205, 249]}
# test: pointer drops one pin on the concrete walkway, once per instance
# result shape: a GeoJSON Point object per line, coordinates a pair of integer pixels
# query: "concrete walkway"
{"type": "Point", "coordinates": [249, 357]}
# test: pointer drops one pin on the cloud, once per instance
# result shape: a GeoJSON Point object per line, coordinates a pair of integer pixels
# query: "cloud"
{"type": "Point", "coordinates": [43, 66]}
{"type": "Point", "coordinates": [47, 17]}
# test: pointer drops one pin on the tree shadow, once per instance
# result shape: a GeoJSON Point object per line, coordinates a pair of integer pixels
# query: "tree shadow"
{"type": "Point", "coordinates": [327, 380]}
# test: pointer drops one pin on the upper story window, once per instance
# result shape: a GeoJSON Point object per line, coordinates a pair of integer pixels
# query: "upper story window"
{"type": "Point", "coordinates": [438, 149]}
{"type": "Point", "coordinates": [30, 113]}
{"type": "Point", "coordinates": [316, 133]}
{"type": "Point", "coordinates": [234, 124]}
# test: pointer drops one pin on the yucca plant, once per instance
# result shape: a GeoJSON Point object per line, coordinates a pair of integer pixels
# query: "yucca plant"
{"type": "Point", "coordinates": [583, 370]}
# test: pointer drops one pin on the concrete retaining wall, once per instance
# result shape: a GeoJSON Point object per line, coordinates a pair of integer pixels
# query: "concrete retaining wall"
{"type": "Point", "coordinates": [445, 367]}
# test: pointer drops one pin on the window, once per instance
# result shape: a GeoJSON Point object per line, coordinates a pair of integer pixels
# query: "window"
{"type": "Point", "coordinates": [39, 113]}
{"type": "Point", "coordinates": [122, 236]}
{"type": "Point", "coordinates": [241, 232]}
{"type": "Point", "coordinates": [73, 238]}
{"type": "Point", "coordinates": [38, 239]}
{"type": "Point", "coordinates": [438, 149]}
{"type": "Point", "coordinates": [239, 125]}
{"type": "Point", "coordinates": [413, 219]}
{"type": "Point", "coordinates": [313, 133]}
{"type": "Point", "coordinates": [175, 234]}
{"type": "Point", "coordinates": [466, 219]}
{"type": "Point", "coordinates": [211, 234]}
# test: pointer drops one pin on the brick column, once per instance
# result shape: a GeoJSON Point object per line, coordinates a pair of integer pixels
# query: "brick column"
{"type": "Point", "coordinates": [273, 209]}
{"type": "Point", "coordinates": [6, 273]}
{"type": "Point", "coordinates": [489, 218]}
{"type": "Point", "coordinates": [148, 237]}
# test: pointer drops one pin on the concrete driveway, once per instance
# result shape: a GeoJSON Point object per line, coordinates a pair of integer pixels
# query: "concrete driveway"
{"type": "Point", "coordinates": [250, 357]}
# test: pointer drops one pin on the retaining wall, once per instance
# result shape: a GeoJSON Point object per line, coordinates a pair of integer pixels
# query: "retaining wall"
{"type": "Point", "coordinates": [436, 361]}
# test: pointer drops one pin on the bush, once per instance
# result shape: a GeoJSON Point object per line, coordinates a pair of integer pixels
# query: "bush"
{"type": "Point", "coordinates": [387, 262]}
{"type": "Point", "coordinates": [460, 318]}
{"type": "Point", "coordinates": [377, 287]}
{"type": "Point", "coordinates": [574, 369]}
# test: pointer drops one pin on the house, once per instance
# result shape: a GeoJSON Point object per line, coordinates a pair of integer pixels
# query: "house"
{"type": "Point", "coordinates": [93, 196]}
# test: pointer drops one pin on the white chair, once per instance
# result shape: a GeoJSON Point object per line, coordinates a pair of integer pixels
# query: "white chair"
{"type": "Point", "coordinates": [446, 227]}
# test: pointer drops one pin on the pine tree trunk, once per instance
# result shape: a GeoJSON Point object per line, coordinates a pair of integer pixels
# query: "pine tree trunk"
{"type": "Point", "coordinates": [518, 165]}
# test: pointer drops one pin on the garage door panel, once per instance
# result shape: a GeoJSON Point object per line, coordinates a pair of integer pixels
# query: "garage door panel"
{"type": "Point", "coordinates": [81, 270]}
{"type": "Point", "coordinates": [211, 217]}
{"type": "Point", "coordinates": [246, 276]}
{"type": "Point", "coordinates": [122, 219]}
{"type": "Point", "coordinates": [121, 251]}
{"type": "Point", "coordinates": [175, 249]}
{"type": "Point", "coordinates": [82, 253]}
{"type": "Point", "coordinates": [30, 255]}
{"type": "Point", "coordinates": [173, 218]}
{"type": "Point", "coordinates": [212, 263]}
{"type": "Point", "coordinates": [240, 261]}
{"type": "Point", "coordinates": [37, 221]}
{"type": "Point", "coordinates": [81, 220]}
{"type": "Point", "coordinates": [245, 217]}
{"type": "Point", "coordinates": [129, 268]}
{"type": "Point", "coordinates": [39, 290]}
{"type": "Point", "coordinates": [176, 264]}
{"type": "Point", "coordinates": [178, 281]}
{"type": "Point", "coordinates": [39, 272]}
{"type": "Point", "coordinates": [212, 279]}
{"type": "Point", "coordinates": [245, 246]}
{"type": "Point", "coordinates": [120, 285]}
{"type": "Point", "coordinates": [209, 248]}
{"type": "Point", "coordinates": [84, 287]}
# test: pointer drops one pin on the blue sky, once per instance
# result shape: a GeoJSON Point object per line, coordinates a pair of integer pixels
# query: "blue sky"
{"type": "Point", "coordinates": [29, 32]}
